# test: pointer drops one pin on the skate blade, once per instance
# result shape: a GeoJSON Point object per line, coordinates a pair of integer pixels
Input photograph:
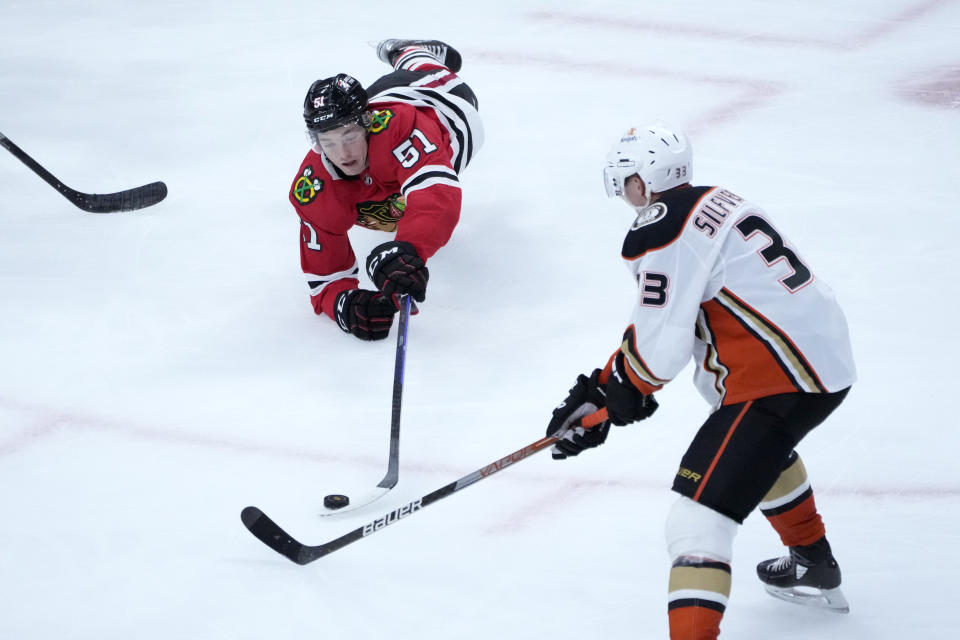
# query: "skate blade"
{"type": "Point", "coordinates": [828, 599]}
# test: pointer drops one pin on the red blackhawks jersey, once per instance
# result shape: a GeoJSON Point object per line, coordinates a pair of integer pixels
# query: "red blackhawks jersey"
{"type": "Point", "coordinates": [720, 283]}
{"type": "Point", "coordinates": [409, 186]}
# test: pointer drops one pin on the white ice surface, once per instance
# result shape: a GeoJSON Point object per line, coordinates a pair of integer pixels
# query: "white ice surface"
{"type": "Point", "coordinates": [161, 370]}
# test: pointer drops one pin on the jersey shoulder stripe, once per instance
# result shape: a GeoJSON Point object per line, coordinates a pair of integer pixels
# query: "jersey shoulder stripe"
{"type": "Point", "coordinates": [463, 129]}
{"type": "Point", "coordinates": [429, 175]}
{"type": "Point", "coordinates": [663, 222]}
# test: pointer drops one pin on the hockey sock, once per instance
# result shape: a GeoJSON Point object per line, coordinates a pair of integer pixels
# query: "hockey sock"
{"type": "Point", "coordinates": [790, 508]}
{"type": "Point", "coordinates": [698, 594]}
{"type": "Point", "coordinates": [417, 59]}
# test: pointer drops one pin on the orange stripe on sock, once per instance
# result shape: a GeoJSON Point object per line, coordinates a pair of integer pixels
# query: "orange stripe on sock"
{"type": "Point", "coordinates": [723, 446]}
{"type": "Point", "coordinates": [801, 525]}
{"type": "Point", "coordinates": [694, 623]}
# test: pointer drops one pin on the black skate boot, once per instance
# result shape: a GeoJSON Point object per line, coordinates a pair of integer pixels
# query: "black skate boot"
{"type": "Point", "coordinates": [389, 50]}
{"type": "Point", "coordinates": [809, 575]}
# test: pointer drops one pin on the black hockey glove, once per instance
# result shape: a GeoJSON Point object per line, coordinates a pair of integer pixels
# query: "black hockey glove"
{"type": "Point", "coordinates": [579, 438]}
{"type": "Point", "coordinates": [586, 396]}
{"type": "Point", "coordinates": [626, 403]}
{"type": "Point", "coordinates": [395, 269]}
{"type": "Point", "coordinates": [366, 314]}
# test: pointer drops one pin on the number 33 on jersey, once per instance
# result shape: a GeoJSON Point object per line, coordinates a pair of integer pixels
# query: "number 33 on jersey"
{"type": "Point", "coordinates": [704, 257]}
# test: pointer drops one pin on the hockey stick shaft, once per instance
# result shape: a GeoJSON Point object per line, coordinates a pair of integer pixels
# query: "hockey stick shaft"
{"type": "Point", "coordinates": [35, 166]}
{"type": "Point", "coordinates": [129, 200]}
{"type": "Point", "coordinates": [272, 535]}
{"type": "Point", "coordinates": [393, 464]}
{"type": "Point", "coordinates": [392, 475]}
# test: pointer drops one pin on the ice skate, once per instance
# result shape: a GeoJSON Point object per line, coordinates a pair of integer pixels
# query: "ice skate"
{"type": "Point", "coordinates": [389, 50]}
{"type": "Point", "coordinates": [809, 576]}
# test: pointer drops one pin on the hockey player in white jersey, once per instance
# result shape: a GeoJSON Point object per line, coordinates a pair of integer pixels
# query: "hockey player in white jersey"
{"type": "Point", "coordinates": [718, 282]}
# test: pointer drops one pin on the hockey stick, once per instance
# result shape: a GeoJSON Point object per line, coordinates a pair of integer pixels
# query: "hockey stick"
{"type": "Point", "coordinates": [393, 464]}
{"type": "Point", "coordinates": [270, 533]}
{"type": "Point", "coordinates": [129, 200]}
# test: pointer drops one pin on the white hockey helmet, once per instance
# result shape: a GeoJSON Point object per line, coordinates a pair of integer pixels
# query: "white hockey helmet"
{"type": "Point", "coordinates": [659, 154]}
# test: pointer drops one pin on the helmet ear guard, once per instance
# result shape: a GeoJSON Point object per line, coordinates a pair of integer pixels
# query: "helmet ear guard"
{"type": "Point", "coordinates": [659, 154]}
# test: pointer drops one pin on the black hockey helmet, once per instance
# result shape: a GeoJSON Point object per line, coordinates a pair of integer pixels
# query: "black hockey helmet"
{"type": "Point", "coordinates": [335, 102]}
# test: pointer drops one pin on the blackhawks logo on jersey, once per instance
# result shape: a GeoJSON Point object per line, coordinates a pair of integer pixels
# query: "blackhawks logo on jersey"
{"type": "Point", "coordinates": [306, 188]}
{"type": "Point", "coordinates": [381, 215]}
{"type": "Point", "coordinates": [380, 120]}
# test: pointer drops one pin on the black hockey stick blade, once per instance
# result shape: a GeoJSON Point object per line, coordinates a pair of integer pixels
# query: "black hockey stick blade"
{"type": "Point", "coordinates": [270, 533]}
{"type": "Point", "coordinates": [129, 200]}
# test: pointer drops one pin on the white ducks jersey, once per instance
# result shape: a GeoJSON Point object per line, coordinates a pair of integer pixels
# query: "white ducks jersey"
{"type": "Point", "coordinates": [717, 281]}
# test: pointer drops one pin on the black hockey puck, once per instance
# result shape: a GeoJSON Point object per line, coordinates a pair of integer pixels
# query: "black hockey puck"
{"type": "Point", "coordinates": [335, 501]}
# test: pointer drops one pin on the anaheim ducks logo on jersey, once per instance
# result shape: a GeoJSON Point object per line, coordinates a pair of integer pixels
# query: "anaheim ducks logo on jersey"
{"type": "Point", "coordinates": [306, 188]}
{"type": "Point", "coordinates": [380, 120]}
{"type": "Point", "coordinates": [381, 215]}
{"type": "Point", "coordinates": [662, 222]}
{"type": "Point", "coordinates": [649, 215]}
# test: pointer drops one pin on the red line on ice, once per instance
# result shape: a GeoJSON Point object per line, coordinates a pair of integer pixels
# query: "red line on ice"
{"type": "Point", "coordinates": [751, 92]}
{"type": "Point", "coordinates": [878, 28]}
{"type": "Point", "coordinates": [45, 423]}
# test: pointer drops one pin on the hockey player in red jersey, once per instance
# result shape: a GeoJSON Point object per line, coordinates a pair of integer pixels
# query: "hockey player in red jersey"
{"type": "Point", "coordinates": [718, 282]}
{"type": "Point", "coordinates": [386, 158]}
